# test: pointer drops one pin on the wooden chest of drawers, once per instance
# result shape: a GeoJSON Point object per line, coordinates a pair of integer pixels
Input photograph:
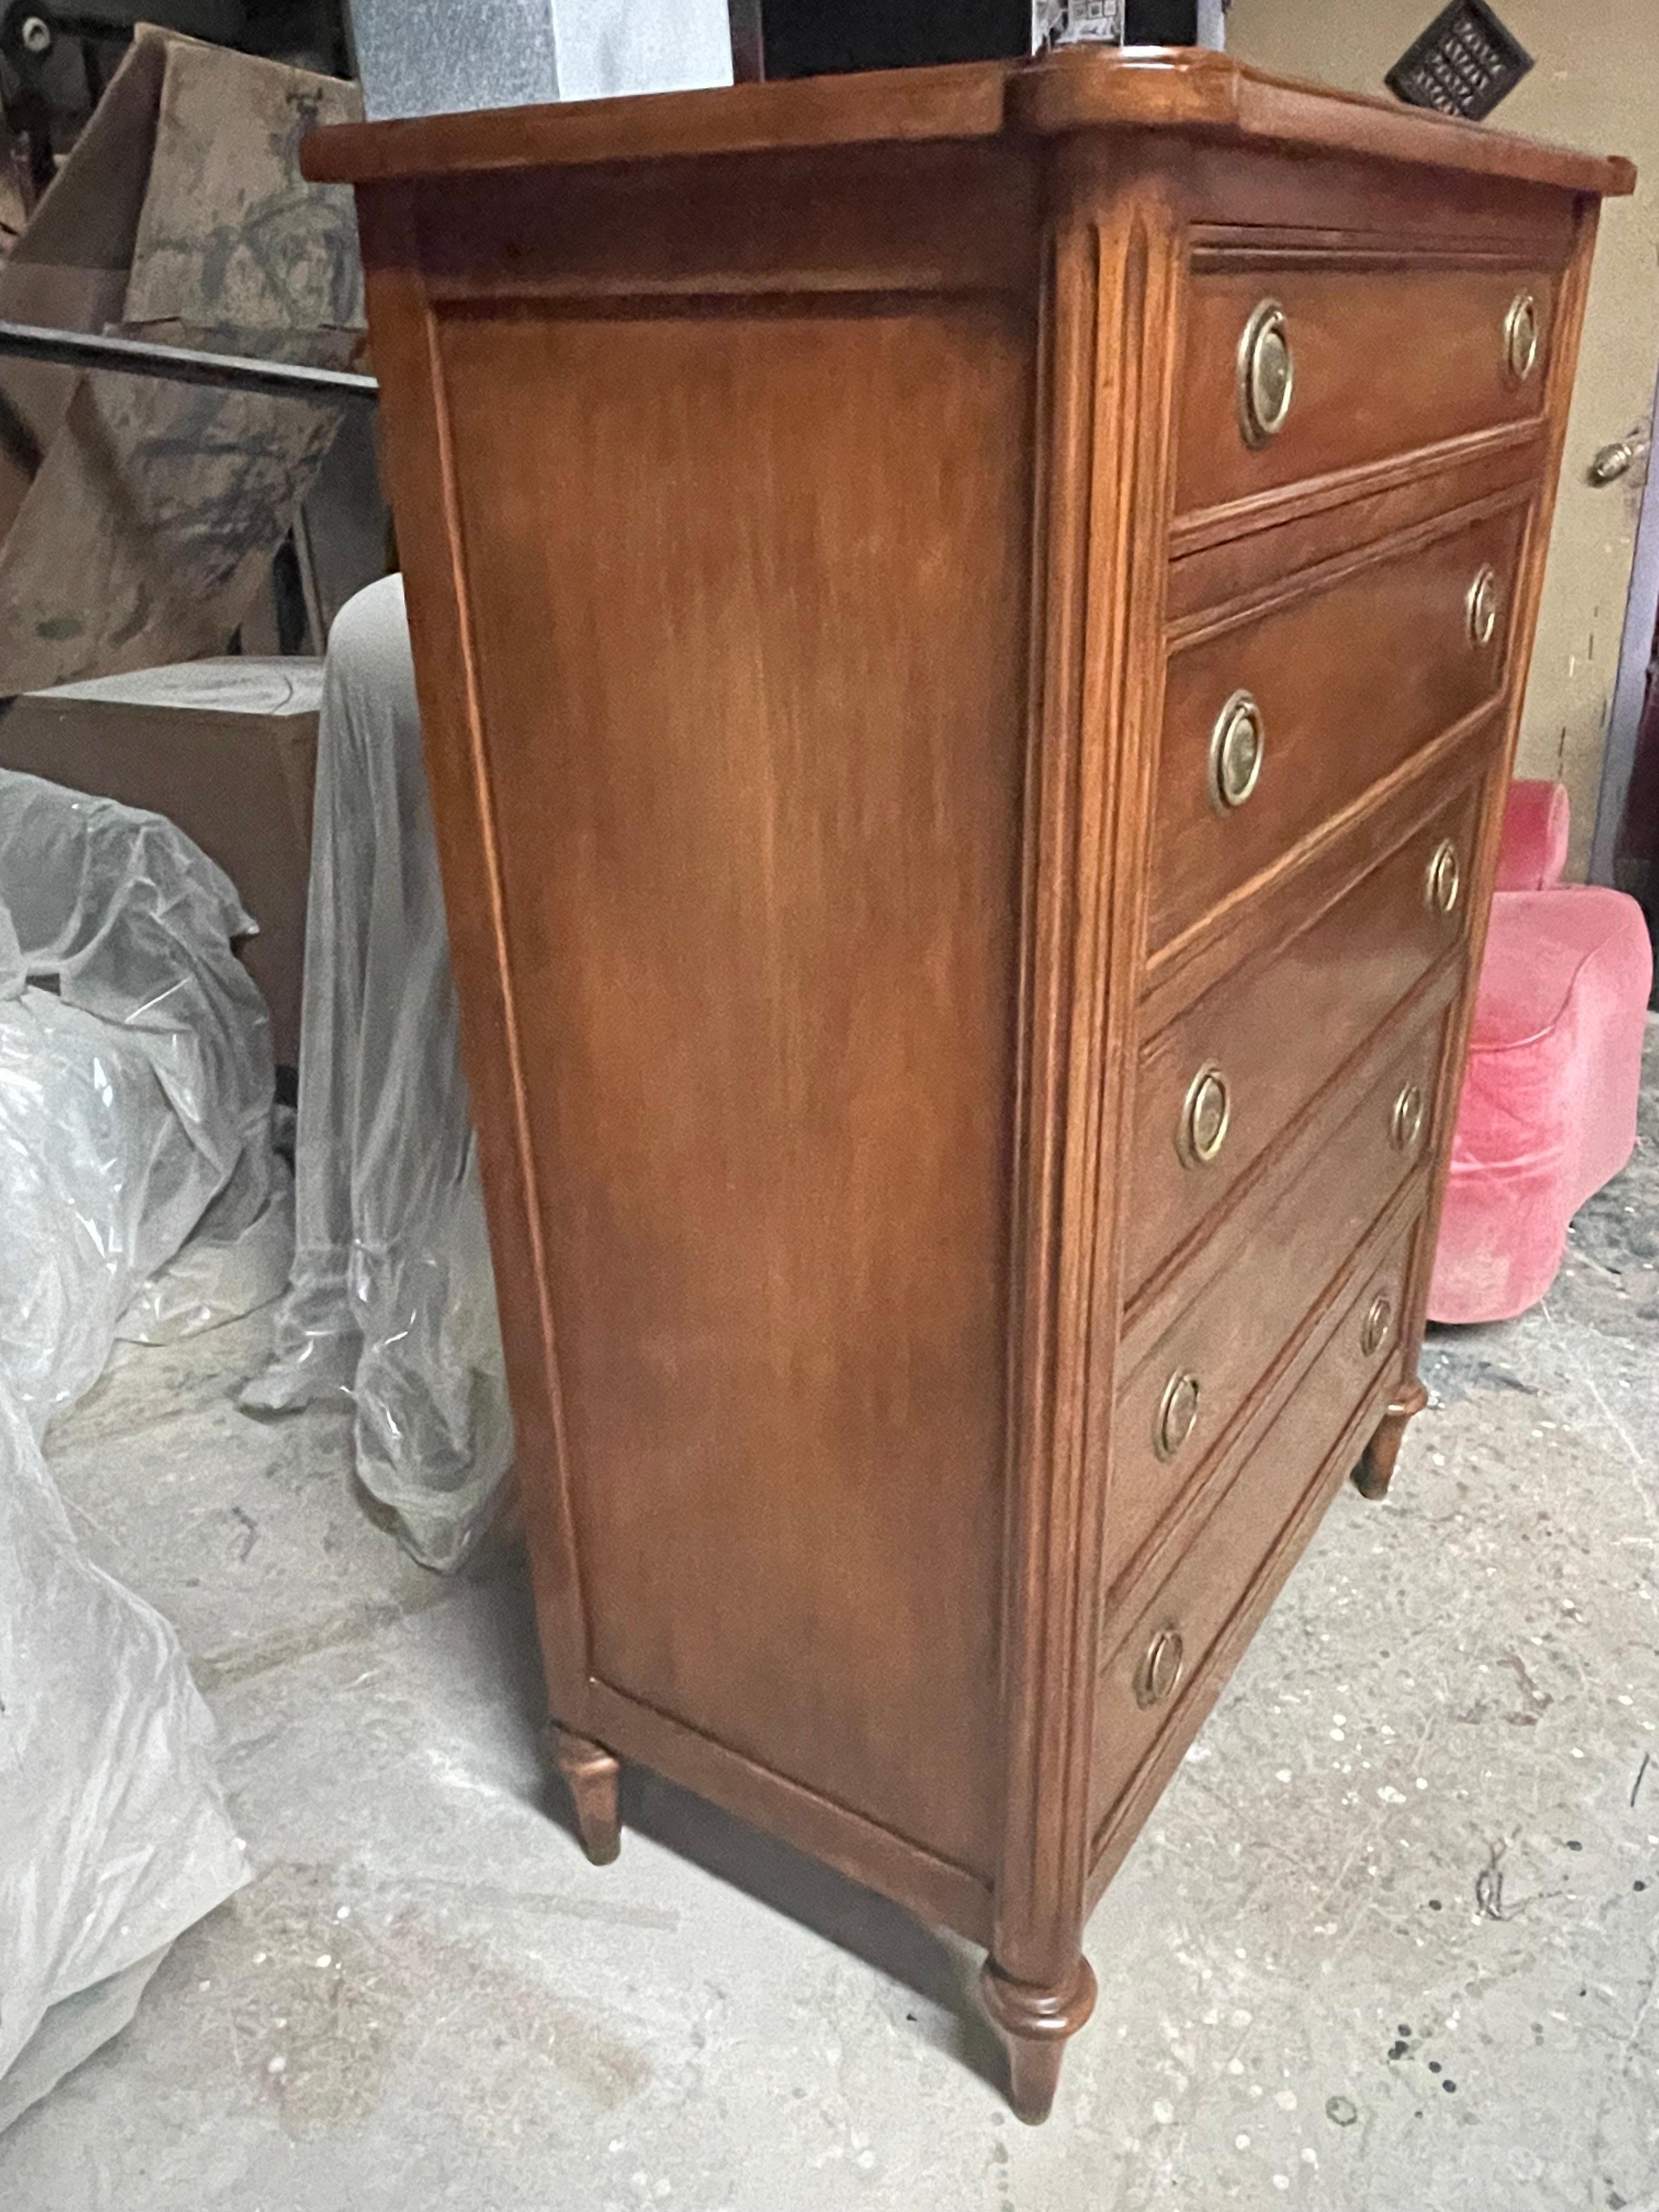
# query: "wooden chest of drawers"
{"type": "Point", "coordinates": [970, 627]}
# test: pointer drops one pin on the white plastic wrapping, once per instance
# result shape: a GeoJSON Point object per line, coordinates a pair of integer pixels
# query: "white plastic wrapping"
{"type": "Point", "coordinates": [392, 1298]}
{"type": "Point", "coordinates": [114, 1836]}
{"type": "Point", "coordinates": [135, 1097]}
{"type": "Point", "coordinates": [135, 1076]}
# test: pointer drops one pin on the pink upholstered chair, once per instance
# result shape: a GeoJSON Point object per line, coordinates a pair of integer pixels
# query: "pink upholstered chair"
{"type": "Point", "coordinates": [1555, 1060]}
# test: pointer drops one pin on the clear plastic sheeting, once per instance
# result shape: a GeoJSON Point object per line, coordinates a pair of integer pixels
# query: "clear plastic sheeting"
{"type": "Point", "coordinates": [230, 1266]}
{"type": "Point", "coordinates": [135, 1078]}
{"type": "Point", "coordinates": [392, 1304]}
{"type": "Point", "coordinates": [113, 1837]}
{"type": "Point", "coordinates": [135, 1101]}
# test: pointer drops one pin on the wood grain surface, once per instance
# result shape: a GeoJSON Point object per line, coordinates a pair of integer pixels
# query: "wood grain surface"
{"type": "Point", "coordinates": [1279, 1026]}
{"type": "Point", "coordinates": [830, 537]}
{"type": "Point", "coordinates": [1354, 667]}
{"type": "Point", "coordinates": [1385, 359]}
{"type": "Point", "coordinates": [1169, 89]}
{"type": "Point", "coordinates": [760, 893]}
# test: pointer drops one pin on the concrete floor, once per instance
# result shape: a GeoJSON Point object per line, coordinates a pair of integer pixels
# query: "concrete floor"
{"type": "Point", "coordinates": [1389, 1944]}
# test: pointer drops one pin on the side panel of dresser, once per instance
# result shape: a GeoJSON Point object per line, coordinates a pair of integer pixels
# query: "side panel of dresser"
{"type": "Point", "coordinates": [901, 242]}
{"type": "Point", "coordinates": [1325, 1442]}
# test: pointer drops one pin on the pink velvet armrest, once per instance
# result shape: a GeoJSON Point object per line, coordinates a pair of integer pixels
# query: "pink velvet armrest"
{"type": "Point", "coordinates": [1533, 850]}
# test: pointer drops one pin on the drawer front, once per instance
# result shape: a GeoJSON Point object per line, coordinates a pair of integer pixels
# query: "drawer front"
{"type": "Point", "coordinates": [1148, 1669]}
{"type": "Point", "coordinates": [1345, 684]}
{"type": "Point", "coordinates": [1175, 1410]}
{"type": "Point", "coordinates": [1222, 1082]}
{"type": "Point", "coordinates": [1382, 361]}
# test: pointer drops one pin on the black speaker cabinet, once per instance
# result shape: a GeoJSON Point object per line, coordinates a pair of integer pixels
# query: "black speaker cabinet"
{"type": "Point", "coordinates": [816, 38]}
{"type": "Point", "coordinates": [1160, 22]}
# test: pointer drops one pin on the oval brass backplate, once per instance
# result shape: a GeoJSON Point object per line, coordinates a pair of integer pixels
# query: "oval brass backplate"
{"type": "Point", "coordinates": [1207, 1114]}
{"type": "Point", "coordinates": [1406, 1123]}
{"type": "Point", "coordinates": [1237, 746]}
{"type": "Point", "coordinates": [1521, 335]}
{"type": "Point", "coordinates": [1445, 881]}
{"type": "Point", "coordinates": [1161, 1667]}
{"type": "Point", "coordinates": [1481, 607]}
{"type": "Point", "coordinates": [1378, 1320]}
{"type": "Point", "coordinates": [1177, 1411]}
{"type": "Point", "coordinates": [1267, 374]}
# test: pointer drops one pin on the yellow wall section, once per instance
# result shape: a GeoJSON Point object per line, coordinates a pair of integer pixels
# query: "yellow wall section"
{"type": "Point", "coordinates": [1595, 84]}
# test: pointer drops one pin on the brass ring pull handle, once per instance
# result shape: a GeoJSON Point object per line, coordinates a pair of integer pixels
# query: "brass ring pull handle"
{"type": "Point", "coordinates": [1406, 1124]}
{"type": "Point", "coordinates": [1161, 1668]}
{"type": "Point", "coordinates": [1379, 1320]}
{"type": "Point", "coordinates": [1177, 1412]}
{"type": "Point", "coordinates": [1237, 746]}
{"type": "Point", "coordinates": [1521, 336]}
{"type": "Point", "coordinates": [1206, 1114]}
{"type": "Point", "coordinates": [1444, 882]}
{"type": "Point", "coordinates": [1481, 607]}
{"type": "Point", "coordinates": [1267, 374]}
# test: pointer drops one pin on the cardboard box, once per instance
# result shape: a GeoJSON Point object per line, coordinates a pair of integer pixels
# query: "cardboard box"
{"type": "Point", "coordinates": [227, 749]}
{"type": "Point", "coordinates": [138, 518]}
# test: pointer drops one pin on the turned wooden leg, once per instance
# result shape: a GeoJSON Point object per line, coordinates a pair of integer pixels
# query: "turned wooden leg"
{"type": "Point", "coordinates": [1376, 1469]}
{"type": "Point", "coordinates": [593, 1778]}
{"type": "Point", "coordinates": [1035, 2023]}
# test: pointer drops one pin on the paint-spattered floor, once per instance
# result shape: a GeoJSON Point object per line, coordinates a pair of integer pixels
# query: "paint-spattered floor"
{"type": "Point", "coordinates": [1390, 1944]}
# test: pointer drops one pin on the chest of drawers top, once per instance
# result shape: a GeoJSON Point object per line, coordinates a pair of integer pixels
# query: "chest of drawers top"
{"type": "Point", "coordinates": [970, 627]}
{"type": "Point", "coordinates": [1185, 90]}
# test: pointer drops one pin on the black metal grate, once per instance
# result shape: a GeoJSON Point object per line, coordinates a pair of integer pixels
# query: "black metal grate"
{"type": "Point", "coordinates": [1463, 65]}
